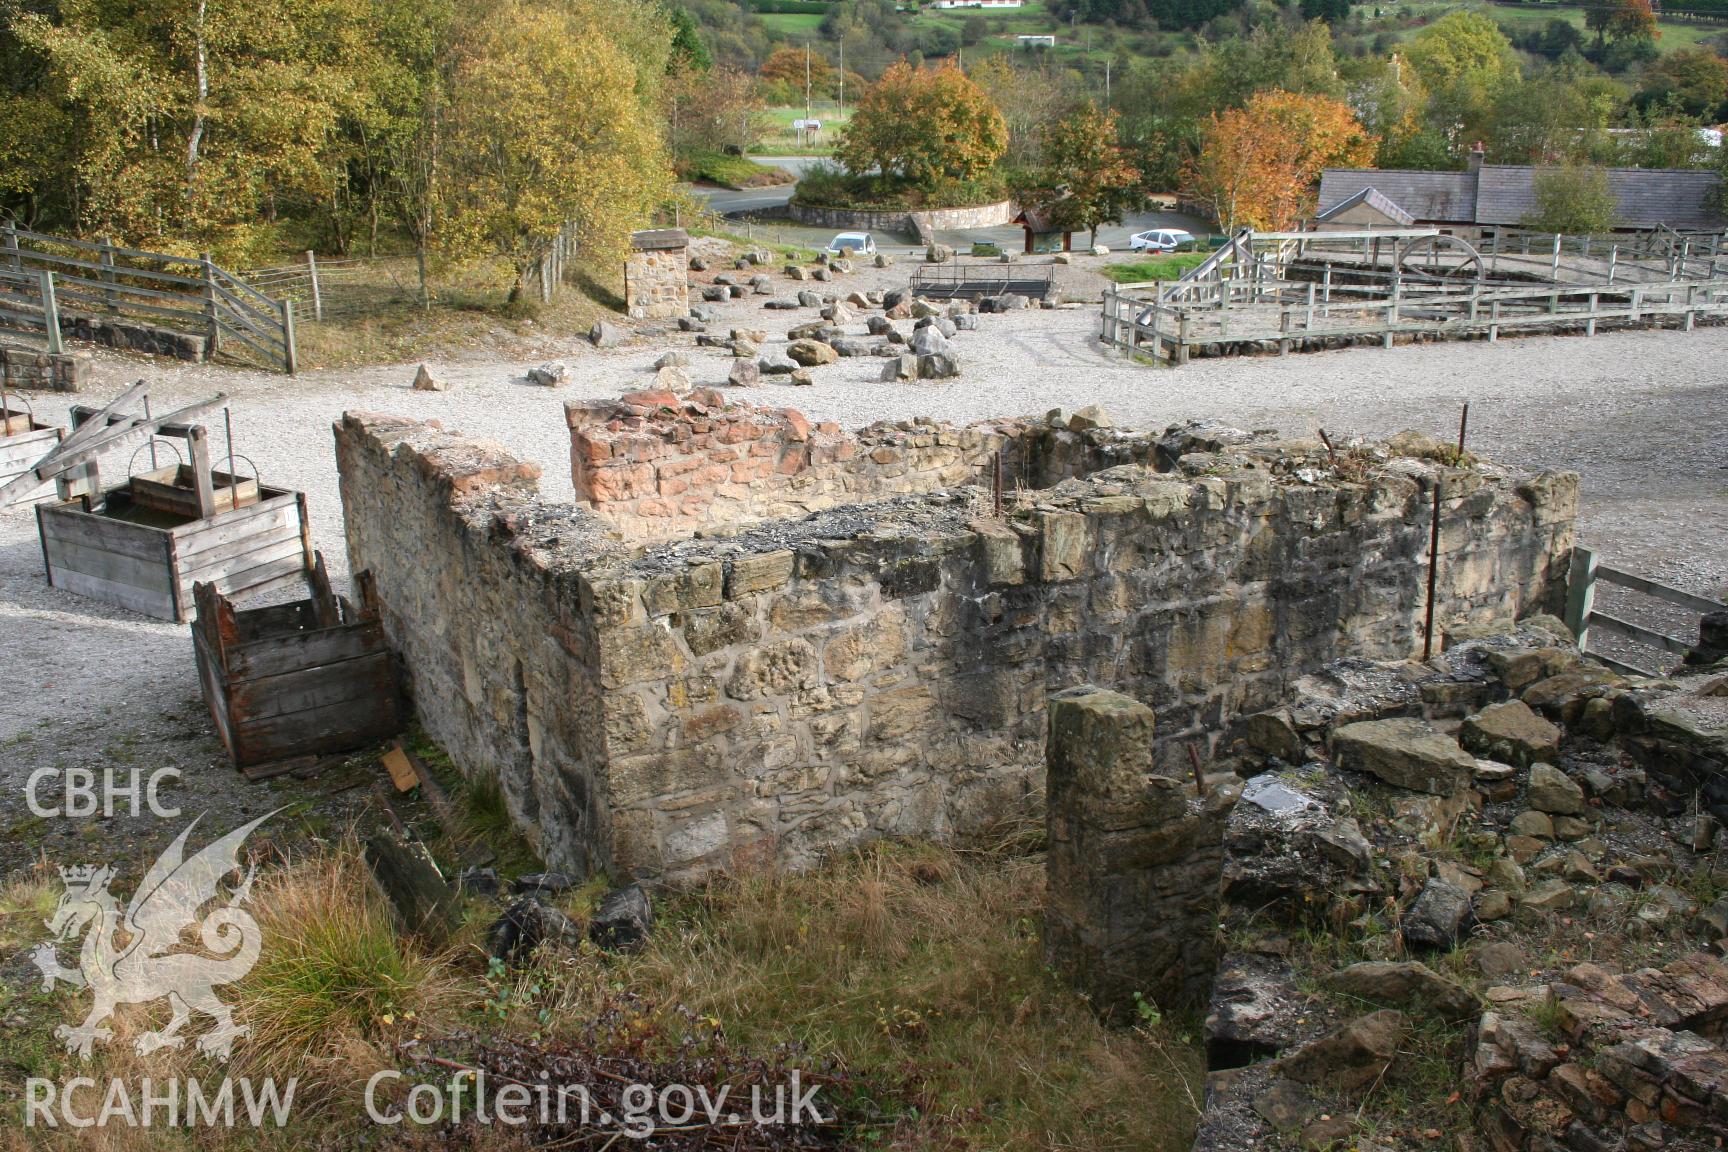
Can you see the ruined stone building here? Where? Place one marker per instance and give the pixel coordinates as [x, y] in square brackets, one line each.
[751, 637]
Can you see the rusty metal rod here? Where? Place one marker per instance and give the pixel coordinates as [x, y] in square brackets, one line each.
[996, 483]
[233, 483]
[1434, 539]
[152, 435]
[1199, 776]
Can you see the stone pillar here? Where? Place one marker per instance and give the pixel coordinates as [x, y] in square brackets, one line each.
[1134, 859]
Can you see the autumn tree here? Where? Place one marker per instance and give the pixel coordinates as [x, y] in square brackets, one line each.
[1258, 166]
[785, 71]
[1621, 20]
[717, 110]
[924, 127]
[1030, 100]
[1086, 178]
[1692, 81]
[1464, 61]
[552, 117]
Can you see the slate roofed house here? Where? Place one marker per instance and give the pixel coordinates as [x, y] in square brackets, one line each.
[1504, 195]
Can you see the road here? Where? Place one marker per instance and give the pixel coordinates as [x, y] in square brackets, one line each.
[728, 202]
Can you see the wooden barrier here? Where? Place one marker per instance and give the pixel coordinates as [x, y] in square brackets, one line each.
[1583, 618]
[49, 283]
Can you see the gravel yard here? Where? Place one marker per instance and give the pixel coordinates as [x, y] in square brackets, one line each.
[1639, 414]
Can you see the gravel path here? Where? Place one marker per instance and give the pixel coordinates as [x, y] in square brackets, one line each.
[1639, 414]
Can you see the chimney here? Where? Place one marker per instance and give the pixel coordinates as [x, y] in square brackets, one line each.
[1476, 153]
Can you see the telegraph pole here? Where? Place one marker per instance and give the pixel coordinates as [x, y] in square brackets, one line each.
[1106, 83]
[841, 115]
[806, 79]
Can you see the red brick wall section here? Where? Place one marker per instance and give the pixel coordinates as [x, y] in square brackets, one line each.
[680, 460]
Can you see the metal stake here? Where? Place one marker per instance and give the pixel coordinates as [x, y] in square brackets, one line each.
[1434, 541]
[233, 482]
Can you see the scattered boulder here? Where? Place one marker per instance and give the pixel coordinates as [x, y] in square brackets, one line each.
[424, 381]
[857, 300]
[761, 285]
[900, 368]
[1100, 250]
[809, 300]
[883, 260]
[1712, 640]
[745, 373]
[1510, 731]
[824, 274]
[713, 293]
[697, 264]
[525, 925]
[878, 325]
[1537, 825]
[922, 309]
[968, 322]
[777, 364]
[838, 314]
[604, 335]
[796, 272]
[1438, 918]
[477, 882]
[1554, 792]
[801, 376]
[1500, 959]
[938, 254]
[624, 919]
[544, 882]
[703, 314]
[691, 324]
[809, 353]
[673, 359]
[895, 297]
[931, 342]
[780, 305]
[852, 346]
[938, 366]
[1405, 984]
[1062, 258]
[1353, 1057]
[1089, 417]
[1405, 752]
[550, 374]
[672, 380]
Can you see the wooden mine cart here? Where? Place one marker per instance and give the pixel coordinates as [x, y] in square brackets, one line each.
[292, 683]
[144, 544]
[23, 441]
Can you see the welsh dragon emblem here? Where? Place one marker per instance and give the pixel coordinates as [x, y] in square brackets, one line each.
[151, 962]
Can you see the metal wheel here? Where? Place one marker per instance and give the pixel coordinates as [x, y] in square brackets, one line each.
[1440, 260]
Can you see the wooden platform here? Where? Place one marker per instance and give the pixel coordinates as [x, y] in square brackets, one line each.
[291, 683]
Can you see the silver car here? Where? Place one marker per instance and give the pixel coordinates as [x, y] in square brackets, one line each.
[860, 244]
[1159, 240]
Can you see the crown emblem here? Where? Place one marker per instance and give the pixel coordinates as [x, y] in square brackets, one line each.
[78, 874]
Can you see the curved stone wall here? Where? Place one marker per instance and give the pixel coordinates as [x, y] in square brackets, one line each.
[919, 223]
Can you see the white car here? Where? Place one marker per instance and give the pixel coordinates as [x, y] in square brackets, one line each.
[1159, 240]
[861, 244]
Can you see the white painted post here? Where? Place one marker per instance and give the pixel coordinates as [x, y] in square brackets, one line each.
[211, 317]
[1494, 320]
[1326, 284]
[1613, 260]
[1308, 322]
[1556, 271]
[50, 312]
[1637, 300]
[317, 294]
[1590, 324]
[107, 260]
[290, 361]
[1581, 594]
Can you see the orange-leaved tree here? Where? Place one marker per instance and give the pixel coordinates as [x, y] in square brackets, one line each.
[1258, 165]
[924, 126]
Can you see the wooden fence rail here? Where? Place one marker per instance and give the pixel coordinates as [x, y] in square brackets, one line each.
[74, 281]
[1583, 617]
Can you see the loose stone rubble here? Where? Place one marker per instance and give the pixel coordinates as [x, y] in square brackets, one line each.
[1373, 896]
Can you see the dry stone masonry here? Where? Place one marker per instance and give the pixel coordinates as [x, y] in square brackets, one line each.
[657, 275]
[661, 707]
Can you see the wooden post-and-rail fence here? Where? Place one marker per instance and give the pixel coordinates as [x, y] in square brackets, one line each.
[50, 283]
[1586, 620]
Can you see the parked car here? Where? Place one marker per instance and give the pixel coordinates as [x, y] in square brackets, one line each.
[861, 243]
[1159, 240]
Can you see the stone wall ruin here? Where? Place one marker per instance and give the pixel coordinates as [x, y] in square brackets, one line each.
[662, 707]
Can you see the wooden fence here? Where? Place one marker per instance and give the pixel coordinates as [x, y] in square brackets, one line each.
[1291, 315]
[1584, 618]
[50, 283]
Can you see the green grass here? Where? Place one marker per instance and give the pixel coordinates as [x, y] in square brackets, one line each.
[792, 23]
[1169, 267]
[920, 973]
[1527, 17]
[729, 171]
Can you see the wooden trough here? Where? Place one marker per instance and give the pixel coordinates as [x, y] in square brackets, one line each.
[23, 441]
[292, 683]
[144, 545]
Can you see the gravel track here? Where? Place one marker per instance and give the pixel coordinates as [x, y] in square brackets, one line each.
[1639, 414]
